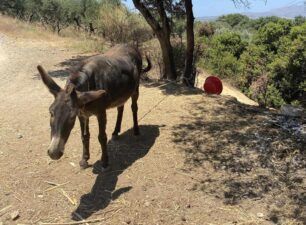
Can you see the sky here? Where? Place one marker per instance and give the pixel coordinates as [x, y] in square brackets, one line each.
[220, 7]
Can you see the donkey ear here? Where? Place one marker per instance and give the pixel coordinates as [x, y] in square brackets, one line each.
[48, 81]
[89, 96]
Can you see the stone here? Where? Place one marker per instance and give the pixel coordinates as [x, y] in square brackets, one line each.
[14, 215]
[292, 111]
[260, 215]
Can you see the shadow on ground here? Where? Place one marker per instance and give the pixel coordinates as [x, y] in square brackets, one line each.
[63, 73]
[240, 156]
[171, 88]
[123, 153]
[69, 63]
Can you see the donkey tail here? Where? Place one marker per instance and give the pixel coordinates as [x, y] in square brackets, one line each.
[149, 66]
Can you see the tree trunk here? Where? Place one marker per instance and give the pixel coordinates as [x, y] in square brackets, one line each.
[189, 74]
[76, 19]
[163, 35]
[168, 59]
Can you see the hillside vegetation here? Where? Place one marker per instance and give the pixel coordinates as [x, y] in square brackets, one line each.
[265, 58]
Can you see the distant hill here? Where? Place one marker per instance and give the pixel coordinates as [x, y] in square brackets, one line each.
[285, 12]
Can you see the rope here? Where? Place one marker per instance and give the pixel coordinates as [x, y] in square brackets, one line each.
[153, 108]
[158, 103]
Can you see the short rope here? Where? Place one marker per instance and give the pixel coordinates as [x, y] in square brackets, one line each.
[153, 108]
[158, 103]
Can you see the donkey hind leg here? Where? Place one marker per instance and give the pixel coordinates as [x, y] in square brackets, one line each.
[103, 140]
[135, 110]
[85, 135]
[118, 123]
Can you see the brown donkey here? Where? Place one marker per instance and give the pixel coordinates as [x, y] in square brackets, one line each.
[97, 84]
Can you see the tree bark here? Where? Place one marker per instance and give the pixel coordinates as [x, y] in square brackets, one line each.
[189, 74]
[168, 59]
[163, 34]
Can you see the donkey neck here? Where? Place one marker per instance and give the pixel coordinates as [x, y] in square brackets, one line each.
[81, 80]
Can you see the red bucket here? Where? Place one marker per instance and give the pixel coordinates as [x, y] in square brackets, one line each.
[213, 85]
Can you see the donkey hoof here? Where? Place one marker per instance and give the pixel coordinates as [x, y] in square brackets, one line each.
[83, 164]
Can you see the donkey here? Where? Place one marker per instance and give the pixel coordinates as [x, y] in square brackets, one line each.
[97, 84]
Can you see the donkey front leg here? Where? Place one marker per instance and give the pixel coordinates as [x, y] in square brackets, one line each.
[103, 139]
[85, 135]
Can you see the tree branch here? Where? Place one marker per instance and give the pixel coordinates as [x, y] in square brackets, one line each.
[147, 15]
[163, 16]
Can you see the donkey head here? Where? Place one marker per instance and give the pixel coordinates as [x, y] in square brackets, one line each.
[63, 111]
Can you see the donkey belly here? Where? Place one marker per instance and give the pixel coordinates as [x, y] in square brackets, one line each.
[119, 90]
[119, 102]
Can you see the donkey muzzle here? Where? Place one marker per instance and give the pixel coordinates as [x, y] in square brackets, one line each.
[56, 148]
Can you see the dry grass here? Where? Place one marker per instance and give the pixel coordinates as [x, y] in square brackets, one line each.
[69, 38]
[16, 28]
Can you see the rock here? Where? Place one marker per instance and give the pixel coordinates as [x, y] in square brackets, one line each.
[14, 215]
[303, 132]
[183, 218]
[293, 111]
[147, 203]
[260, 215]
[19, 136]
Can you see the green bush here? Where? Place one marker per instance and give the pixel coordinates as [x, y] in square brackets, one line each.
[271, 34]
[229, 42]
[254, 61]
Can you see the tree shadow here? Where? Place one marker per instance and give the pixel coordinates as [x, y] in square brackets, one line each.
[251, 158]
[122, 154]
[63, 73]
[68, 63]
[171, 87]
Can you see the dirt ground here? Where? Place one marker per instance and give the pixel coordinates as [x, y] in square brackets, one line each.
[199, 160]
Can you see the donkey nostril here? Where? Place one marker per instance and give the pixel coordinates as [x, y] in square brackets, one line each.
[48, 151]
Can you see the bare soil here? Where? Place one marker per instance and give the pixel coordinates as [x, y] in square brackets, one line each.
[199, 160]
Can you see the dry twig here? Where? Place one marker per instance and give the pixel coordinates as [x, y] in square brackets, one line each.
[83, 221]
[67, 196]
[57, 186]
[4, 209]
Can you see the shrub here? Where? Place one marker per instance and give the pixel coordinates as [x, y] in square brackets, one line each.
[271, 34]
[254, 61]
[234, 19]
[117, 25]
[265, 93]
[205, 29]
[229, 42]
